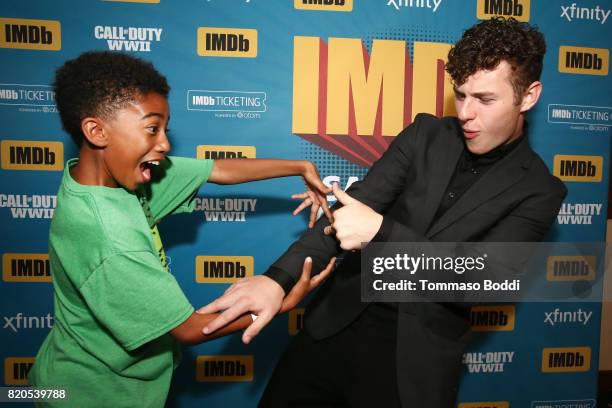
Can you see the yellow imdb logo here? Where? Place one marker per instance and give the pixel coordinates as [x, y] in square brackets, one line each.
[571, 268]
[223, 269]
[566, 359]
[26, 268]
[224, 368]
[227, 42]
[225, 152]
[16, 370]
[26, 34]
[325, 5]
[586, 61]
[587, 169]
[493, 318]
[517, 9]
[30, 155]
[296, 321]
[495, 404]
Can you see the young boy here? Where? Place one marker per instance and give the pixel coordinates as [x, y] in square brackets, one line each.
[119, 314]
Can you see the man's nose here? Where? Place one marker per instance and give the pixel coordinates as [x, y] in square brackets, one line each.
[465, 110]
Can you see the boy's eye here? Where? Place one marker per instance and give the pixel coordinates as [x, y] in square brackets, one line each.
[152, 129]
[486, 101]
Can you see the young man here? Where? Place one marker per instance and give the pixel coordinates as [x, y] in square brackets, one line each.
[465, 179]
[119, 313]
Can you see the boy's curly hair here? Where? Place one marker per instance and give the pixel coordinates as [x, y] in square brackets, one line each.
[489, 42]
[98, 83]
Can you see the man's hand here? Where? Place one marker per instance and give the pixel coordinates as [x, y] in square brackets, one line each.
[354, 223]
[259, 295]
[316, 196]
[306, 284]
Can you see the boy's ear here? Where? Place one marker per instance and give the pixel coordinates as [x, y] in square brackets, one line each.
[94, 132]
[531, 96]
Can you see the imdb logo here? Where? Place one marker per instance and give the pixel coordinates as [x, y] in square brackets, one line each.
[26, 268]
[224, 368]
[572, 359]
[133, 1]
[30, 155]
[324, 5]
[585, 61]
[296, 321]
[518, 9]
[223, 269]
[227, 42]
[588, 169]
[496, 404]
[492, 318]
[571, 268]
[225, 152]
[16, 370]
[44, 35]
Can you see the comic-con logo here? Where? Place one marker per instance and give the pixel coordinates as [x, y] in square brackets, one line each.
[585, 61]
[227, 42]
[45, 35]
[353, 103]
[517, 9]
[224, 368]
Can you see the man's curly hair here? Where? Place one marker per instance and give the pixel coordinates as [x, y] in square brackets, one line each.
[489, 42]
[98, 83]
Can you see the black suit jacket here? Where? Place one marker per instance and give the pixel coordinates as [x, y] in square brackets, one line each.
[514, 201]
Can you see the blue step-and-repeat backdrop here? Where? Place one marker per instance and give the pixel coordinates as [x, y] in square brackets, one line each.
[275, 78]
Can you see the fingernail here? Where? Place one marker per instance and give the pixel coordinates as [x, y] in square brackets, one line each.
[206, 330]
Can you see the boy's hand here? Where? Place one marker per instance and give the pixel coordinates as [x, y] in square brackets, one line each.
[306, 284]
[316, 196]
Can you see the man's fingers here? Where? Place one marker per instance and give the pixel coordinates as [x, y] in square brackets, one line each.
[226, 317]
[255, 327]
[343, 197]
[304, 204]
[313, 214]
[329, 230]
[215, 306]
[326, 209]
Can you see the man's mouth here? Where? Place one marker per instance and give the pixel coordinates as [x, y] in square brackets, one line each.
[145, 169]
[470, 134]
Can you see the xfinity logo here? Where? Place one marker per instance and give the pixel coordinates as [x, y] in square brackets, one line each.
[19, 321]
[574, 12]
[415, 3]
[576, 316]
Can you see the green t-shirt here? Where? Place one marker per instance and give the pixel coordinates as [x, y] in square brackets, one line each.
[114, 300]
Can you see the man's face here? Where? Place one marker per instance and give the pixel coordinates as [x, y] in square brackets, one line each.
[487, 109]
[136, 140]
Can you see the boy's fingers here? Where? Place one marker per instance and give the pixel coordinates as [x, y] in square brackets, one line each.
[307, 202]
[306, 269]
[324, 273]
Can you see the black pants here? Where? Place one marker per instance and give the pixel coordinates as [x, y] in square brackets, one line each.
[354, 368]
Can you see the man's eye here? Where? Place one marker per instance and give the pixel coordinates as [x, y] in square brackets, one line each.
[152, 129]
[460, 96]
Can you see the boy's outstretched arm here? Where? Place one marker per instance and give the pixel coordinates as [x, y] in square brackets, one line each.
[191, 331]
[235, 171]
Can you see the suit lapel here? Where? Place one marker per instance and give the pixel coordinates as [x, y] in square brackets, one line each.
[499, 178]
[442, 173]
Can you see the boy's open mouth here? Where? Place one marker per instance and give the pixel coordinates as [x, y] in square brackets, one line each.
[145, 169]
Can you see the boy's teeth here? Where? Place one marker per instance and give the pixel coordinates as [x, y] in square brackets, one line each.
[154, 162]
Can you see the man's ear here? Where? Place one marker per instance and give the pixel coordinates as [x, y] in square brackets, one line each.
[531, 96]
[94, 132]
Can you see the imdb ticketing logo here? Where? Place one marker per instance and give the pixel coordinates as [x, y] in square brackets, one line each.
[225, 152]
[30, 34]
[324, 5]
[224, 368]
[587, 169]
[26, 268]
[492, 318]
[518, 9]
[223, 269]
[566, 359]
[570, 268]
[16, 370]
[586, 61]
[296, 321]
[495, 404]
[227, 42]
[30, 155]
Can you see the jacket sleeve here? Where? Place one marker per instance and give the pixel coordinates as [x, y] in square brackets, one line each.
[378, 190]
